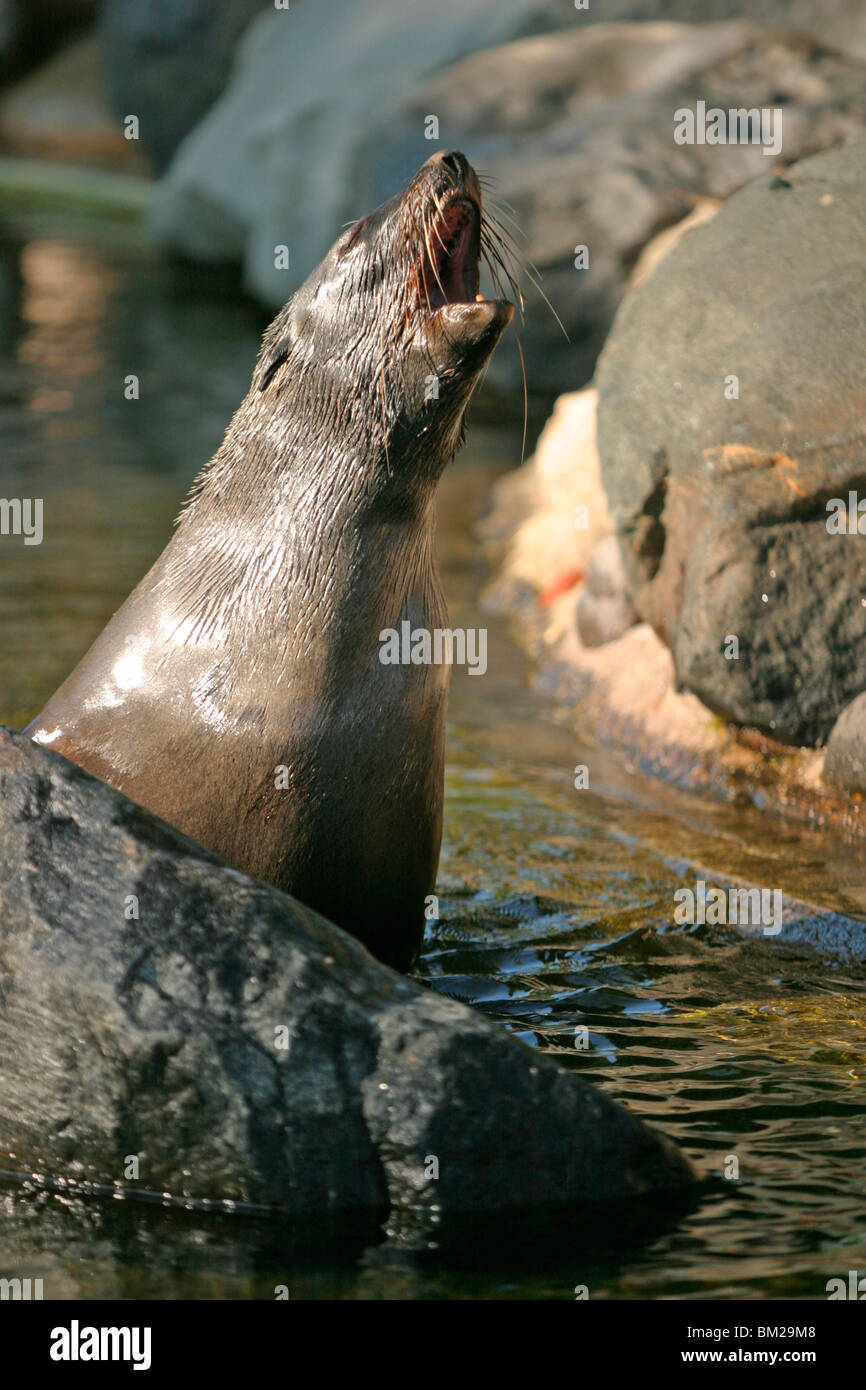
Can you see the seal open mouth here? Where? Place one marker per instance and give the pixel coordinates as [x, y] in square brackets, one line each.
[450, 270]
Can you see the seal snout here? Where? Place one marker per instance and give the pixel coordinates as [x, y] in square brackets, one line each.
[482, 322]
[459, 170]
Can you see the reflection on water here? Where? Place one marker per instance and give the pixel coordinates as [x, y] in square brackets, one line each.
[79, 316]
[556, 904]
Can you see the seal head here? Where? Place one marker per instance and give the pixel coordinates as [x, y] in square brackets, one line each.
[395, 305]
[239, 692]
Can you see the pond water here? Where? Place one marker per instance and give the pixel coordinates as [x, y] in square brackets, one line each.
[556, 904]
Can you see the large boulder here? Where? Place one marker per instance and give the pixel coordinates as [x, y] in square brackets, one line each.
[158, 1006]
[845, 761]
[169, 62]
[731, 431]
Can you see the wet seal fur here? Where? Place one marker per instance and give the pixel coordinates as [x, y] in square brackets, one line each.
[253, 642]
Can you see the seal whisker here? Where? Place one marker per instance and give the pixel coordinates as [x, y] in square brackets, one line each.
[498, 236]
[437, 221]
[502, 238]
[508, 237]
[525, 394]
[495, 261]
[491, 260]
[420, 237]
[499, 215]
[516, 253]
[383, 396]
[431, 259]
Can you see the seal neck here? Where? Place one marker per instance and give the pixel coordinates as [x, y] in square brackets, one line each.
[301, 550]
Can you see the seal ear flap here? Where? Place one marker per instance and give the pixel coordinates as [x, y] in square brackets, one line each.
[273, 360]
[280, 339]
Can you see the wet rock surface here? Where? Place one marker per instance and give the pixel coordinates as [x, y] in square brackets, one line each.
[845, 761]
[604, 610]
[719, 466]
[157, 1005]
[625, 690]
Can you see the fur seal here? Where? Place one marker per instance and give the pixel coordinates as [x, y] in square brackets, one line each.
[253, 643]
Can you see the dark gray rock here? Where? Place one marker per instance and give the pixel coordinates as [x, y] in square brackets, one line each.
[604, 610]
[838, 23]
[10, 35]
[31, 29]
[170, 60]
[721, 505]
[155, 1036]
[832, 933]
[167, 61]
[845, 760]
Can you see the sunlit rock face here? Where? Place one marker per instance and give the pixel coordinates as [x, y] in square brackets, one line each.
[730, 426]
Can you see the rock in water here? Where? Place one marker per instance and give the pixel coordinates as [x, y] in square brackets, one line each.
[731, 432]
[845, 763]
[156, 1004]
[604, 612]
